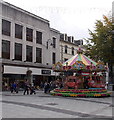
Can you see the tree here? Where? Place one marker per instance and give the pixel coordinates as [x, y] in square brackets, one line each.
[100, 45]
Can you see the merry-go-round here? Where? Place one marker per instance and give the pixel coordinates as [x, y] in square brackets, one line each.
[83, 77]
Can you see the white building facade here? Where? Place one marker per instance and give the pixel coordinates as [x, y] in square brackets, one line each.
[68, 47]
[26, 43]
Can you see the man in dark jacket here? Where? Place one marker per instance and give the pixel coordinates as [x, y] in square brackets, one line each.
[46, 87]
[26, 87]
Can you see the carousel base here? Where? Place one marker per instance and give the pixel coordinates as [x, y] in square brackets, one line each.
[91, 92]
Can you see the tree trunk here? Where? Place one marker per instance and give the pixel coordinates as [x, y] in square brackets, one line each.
[111, 73]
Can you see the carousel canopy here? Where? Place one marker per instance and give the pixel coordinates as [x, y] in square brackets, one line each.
[79, 62]
[80, 57]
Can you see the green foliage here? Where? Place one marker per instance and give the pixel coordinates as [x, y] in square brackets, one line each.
[100, 44]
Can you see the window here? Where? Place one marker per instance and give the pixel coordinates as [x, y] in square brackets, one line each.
[6, 27]
[29, 53]
[72, 39]
[66, 49]
[66, 37]
[54, 42]
[5, 49]
[72, 51]
[38, 37]
[69, 39]
[18, 31]
[39, 55]
[61, 36]
[53, 58]
[29, 34]
[18, 51]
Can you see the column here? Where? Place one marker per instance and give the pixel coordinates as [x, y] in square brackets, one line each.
[12, 41]
[12, 48]
[0, 56]
[0, 28]
[34, 46]
[24, 44]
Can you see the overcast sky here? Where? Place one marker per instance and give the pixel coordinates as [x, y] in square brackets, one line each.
[73, 17]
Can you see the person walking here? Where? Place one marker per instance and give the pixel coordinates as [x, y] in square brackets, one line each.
[32, 90]
[26, 87]
[46, 87]
[14, 87]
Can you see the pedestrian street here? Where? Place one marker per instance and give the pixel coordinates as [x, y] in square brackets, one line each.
[43, 105]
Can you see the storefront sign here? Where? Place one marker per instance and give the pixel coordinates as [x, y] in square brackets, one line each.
[46, 71]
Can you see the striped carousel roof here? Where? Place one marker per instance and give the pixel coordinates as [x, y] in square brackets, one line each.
[80, 57]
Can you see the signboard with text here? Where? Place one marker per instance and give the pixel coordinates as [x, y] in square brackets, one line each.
[46, 72]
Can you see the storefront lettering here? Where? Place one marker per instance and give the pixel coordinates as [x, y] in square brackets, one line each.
[46, 71]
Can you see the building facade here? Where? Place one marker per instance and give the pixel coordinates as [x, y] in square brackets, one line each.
[26, 43]
[68, 47]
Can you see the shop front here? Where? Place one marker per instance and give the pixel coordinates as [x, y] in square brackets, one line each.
[19, 74]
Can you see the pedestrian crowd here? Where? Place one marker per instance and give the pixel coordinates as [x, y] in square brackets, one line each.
[48, 86]
[30, 89]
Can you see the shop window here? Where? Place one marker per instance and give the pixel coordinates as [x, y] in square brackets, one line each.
[38, 37]
[39, 55]
[18, 51]
[6, 27]
[18, 31]
[29, 34]
[29, 53]
[5, 49]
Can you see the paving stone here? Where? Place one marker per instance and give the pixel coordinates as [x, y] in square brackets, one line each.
[44, 105]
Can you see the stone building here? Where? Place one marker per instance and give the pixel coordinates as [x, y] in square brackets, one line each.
[68, 46]
[27, 43]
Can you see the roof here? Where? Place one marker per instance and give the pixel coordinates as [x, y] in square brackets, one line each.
[68, 42]
[80, 57]
[24, 11]
[54, 30]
